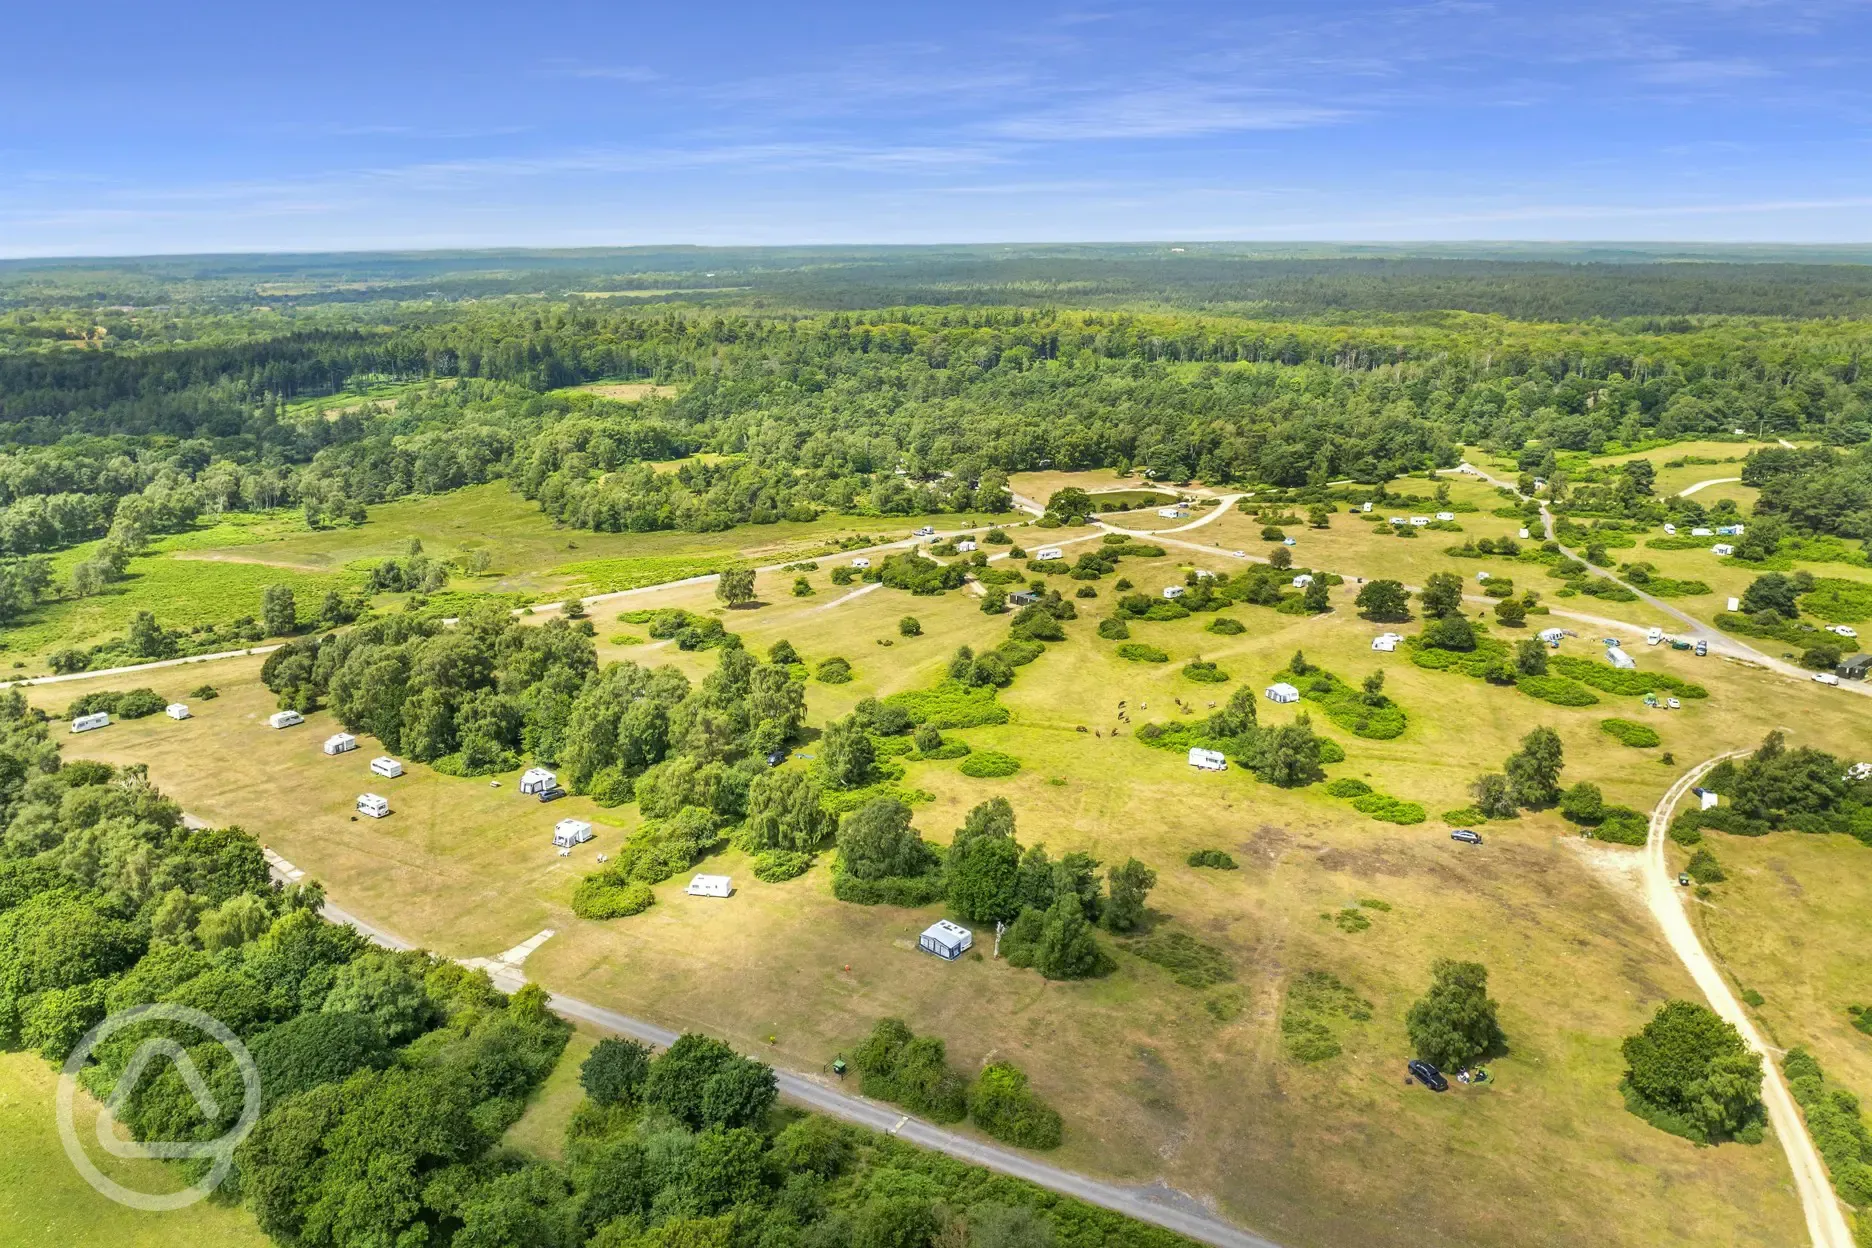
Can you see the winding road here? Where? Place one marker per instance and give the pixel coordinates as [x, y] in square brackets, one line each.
[1826, 1225]
[1156, 1204]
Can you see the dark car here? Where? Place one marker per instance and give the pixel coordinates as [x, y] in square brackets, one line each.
[776, 757]
[551, 795]
[1466, 836]
[1427, 1075]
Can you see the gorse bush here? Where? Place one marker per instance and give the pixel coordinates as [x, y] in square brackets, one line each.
[1217, 859]
[1137, 652]
[1626, 732]
[989, 764]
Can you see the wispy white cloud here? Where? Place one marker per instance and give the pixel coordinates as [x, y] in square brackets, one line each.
[1166, 112]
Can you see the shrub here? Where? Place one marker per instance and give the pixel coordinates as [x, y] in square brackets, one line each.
[1464, 817]
[1609, 679]
[951, 704]
[1558, 690]
[129, 704]
[1704, 869]
[896, 1065]
[989, 764]
[1388, 809]
[205, 693]
[777, 865]
[1113, 629]
[1313, 999]
[603, 896]
[834, 671]
[1626, 732]
[1622, 826]
[1347, 786]
[889, 890]
[1005, 1107]
[1194, 964]
[1137, 652]
[1205, 672]
[1215, 858]
[1225, 626]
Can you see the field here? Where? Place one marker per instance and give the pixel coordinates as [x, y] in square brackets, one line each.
[44, 1201]
[218, 571]
[1157, 1080]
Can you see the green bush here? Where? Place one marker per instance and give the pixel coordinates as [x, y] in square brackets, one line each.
[1004, 1106]
[1559, 690]
[989, 764]
[1626, 732]
[1216, 858]
[1205, 672]
[905, 1069]
[776, 865]
[1225, 626]
[1194, 964]
[128, 704]
[1609, 679]
[1346, 786]
[1315, 999]
[951, 704]
[889, 890]
[602, 896]
[1113, 629]
[1467, 816]
[834, 671]
[1137, 652]
[1621, 826]
[1389, 809]
[205, 693]
[1704, 869]
[1372, 716]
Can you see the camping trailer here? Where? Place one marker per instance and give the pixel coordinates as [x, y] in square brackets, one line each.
[285, 719]
[177, 710]
[1387, 642]
[85, 723]
[1445, 516]
[1048, 552]
[1282, 692]
[1208, 760]
[1722, 549]
[385, 766]
[1173, 591]
[537, 780]
[710, 886]
[964, 546]
[570, 832]
[1616, 656]
[946, 940]
[1303, 580]
[340, 743]
[373, 805]
[861, 563]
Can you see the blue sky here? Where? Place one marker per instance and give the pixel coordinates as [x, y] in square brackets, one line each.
[215, 127]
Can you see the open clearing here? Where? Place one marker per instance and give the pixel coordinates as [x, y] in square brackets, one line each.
[43, 1200]
[1152, 1083]
[627, 391]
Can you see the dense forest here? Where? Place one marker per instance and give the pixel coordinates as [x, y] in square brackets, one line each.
[126, 421]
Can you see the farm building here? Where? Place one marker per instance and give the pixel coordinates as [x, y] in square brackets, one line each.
[570, 832]
[1023, 598]
[1303, 580]
[964, 546]
[710, 886]
[861, 562]
[1858, 667]
[86, 723]
[285, 719]
[1173, 591]
[1208, 760]
[537, 780]
[1706, 797]
[1282, 692]
[373, 805]
[1048, 552]
[1616, 656]
[946, 940]
[386, 767]
[177, 710]
[1387, 642]
[340, 743]
[1722, 548]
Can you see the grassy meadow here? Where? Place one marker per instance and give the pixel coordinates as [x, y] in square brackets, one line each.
[43, 1200]
[1157, 1080]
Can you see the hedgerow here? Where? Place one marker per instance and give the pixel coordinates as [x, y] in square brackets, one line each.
[951, 704]
[1559, 690]
[1138, 652]
[989, 764]
[1609, 679]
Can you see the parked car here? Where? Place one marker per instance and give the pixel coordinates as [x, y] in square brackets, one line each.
[927, 530]
[1842, 630]
[551, 795]
[1466, 836]
[1683, 879]
[1702, 649]
[1423, 1072]
[1673, 704]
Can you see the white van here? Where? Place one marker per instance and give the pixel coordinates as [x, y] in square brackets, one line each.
[374, 806]
[85, 723]
[385, 766]
[1826, 678]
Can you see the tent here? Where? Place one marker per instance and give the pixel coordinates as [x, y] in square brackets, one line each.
[569, 832]
[1283, 692]
[946, 940]
[537, 780]
[340, 743]
[1616, 656]
[1387, 642]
